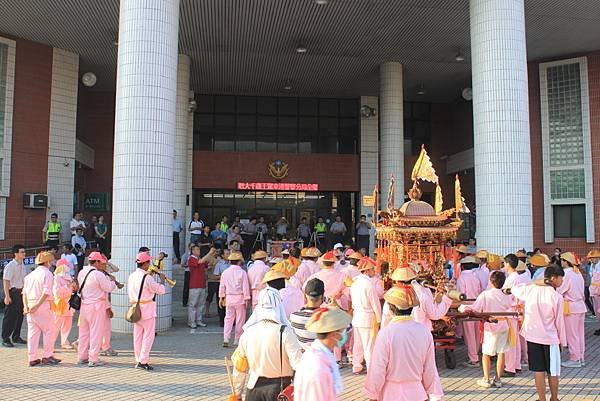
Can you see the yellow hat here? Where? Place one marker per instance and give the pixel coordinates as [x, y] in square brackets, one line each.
[570, 257]
[273, 275]
[540, 260]
[366, 263]
[594, 253]
[405, 272]
[260, 254]
[402, 297]
[494, 262]
[520, 254]
[313, 252]
[286, 267]
[521, 266]
[327, 320]
[462, 249]
[43, 257]
[483, 254]
[235, 256]
[355, 256]
[468, 259]
[303, 252]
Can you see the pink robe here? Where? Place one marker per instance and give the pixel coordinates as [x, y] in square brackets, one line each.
[292, 297]
[306, 269]
[144, 330]
[235, 287]
[350, 271]
[367, 314]
[255, 276]
[313, 380]
[41, 322]
[428, 309]
[595, 290]
[483, 274]
[92, 315]
[492, 300]
[378, 284]
[469, 284]
[512, 360]
[63, 320]
[573, 292]
[403, 365]
[334, 285]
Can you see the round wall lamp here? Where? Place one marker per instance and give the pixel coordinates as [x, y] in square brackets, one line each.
[89, 79]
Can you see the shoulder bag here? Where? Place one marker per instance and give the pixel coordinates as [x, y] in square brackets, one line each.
[285, 394]
[75, 300]
[134, 313]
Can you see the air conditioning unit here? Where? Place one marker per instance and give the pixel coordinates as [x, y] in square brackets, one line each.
[35, 201]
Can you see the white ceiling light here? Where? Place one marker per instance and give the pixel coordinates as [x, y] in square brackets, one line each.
[287, 86]
[88, 79]
[301, 49]
[421, 90]
[321, 2]
[459, 57]
[467, 94]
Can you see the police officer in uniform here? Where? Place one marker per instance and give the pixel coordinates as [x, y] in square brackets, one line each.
[52, 231]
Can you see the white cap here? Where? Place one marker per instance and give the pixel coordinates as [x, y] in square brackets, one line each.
[338, 245]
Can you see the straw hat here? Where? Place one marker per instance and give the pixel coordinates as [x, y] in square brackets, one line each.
[469, 259]
[273, 275]
[313, 252]
[329, 257]
[483, 254]
[366, 263]
[327, 320]
[235, 256]
[520, 254]
[521, 266]
[594, 253]
[260, 254]
[303, 252]
[462, 249]
[405, 272]
[402, 298]
[286, 267]
[355, 256]
[570, 257]
[494, 262]
[43, 257]
[540, 260]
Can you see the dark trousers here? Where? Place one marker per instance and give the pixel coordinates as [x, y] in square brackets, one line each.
[176, 245]
[267, 389]
[305, 241]
[186, 288]
[80, 262]
[221, 312]
[588, 301]
[13, 316]
[362, 241]
[52, 243]
[101, 243]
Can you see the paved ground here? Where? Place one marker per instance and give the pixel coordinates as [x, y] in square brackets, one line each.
[189, 366]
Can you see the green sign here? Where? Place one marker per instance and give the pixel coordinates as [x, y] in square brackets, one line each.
[96, 202]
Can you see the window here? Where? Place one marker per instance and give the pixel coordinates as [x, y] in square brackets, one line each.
[276, 124]
[569, 221]
[7, 74]
[566, 149]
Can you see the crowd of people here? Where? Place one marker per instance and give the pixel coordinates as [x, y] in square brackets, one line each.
[314, 313]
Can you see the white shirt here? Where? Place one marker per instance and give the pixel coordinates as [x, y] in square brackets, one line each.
[76, 223]
[196, 227]
[15, 274]
[72, 259]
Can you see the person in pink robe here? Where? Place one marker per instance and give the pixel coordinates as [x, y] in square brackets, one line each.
[366, 316]
[308, 267]
[318, 377]
[468, 283]
[403, 362]
[291, 295]
[334, 281]
[573, 292]
[62, 290]
[92, 314]
[544, 328]
[145, 329]
[37, 297]
[256, 273]
[594, 257]
[234, 295]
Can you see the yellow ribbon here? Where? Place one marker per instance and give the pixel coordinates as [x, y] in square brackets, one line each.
[401, 319]
[512, 336]
[375, 328]
[566, 310]
[59, 306]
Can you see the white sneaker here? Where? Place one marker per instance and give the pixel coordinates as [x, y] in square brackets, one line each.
[97, 363]
[192, 325]
[484, 383]
[571, 364]
[201, 324]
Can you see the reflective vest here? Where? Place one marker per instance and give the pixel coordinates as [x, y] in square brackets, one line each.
[320, 228]
[53, 231]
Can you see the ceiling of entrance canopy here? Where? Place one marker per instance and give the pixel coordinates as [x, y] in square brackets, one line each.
[250, 46]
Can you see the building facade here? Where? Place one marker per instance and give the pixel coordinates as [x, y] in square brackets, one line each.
[298, 111]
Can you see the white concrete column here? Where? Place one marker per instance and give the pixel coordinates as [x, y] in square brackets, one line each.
[61, 146]
[181, 144]
[189, 155]
[501, 126]
[369, 158]
[145, 130]
[391, 123]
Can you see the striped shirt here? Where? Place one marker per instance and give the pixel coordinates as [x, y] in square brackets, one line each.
[298, 321]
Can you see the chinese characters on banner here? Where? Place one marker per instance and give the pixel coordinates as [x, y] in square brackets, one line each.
[276, 186]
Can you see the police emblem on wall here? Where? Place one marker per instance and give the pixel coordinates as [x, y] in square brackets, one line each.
[278, 169]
